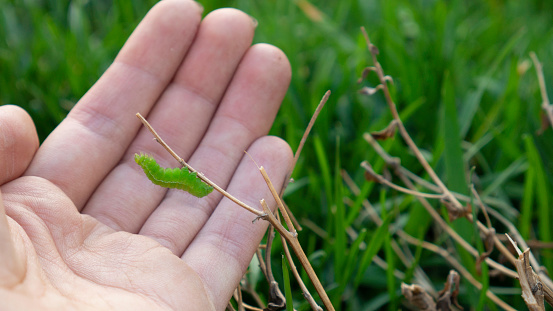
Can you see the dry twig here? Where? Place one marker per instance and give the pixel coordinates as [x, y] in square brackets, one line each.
[418, 297]
[419, 275]
[533, 290]
[403, 131]
[435, 215]
[449, 199]
[266, 214]
[545, 105]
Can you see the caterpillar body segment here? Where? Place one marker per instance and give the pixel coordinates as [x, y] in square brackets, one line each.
[176, 178]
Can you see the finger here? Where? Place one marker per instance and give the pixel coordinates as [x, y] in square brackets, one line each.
[94, 136]
[181, 117]
[246, 113]
[12, 270]
[18, 142]
[222, 250]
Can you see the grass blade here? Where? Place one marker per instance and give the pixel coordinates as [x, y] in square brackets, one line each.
[287, 287]
[373, 247]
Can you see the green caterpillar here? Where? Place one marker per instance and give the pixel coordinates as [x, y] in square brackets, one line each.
[178, 178]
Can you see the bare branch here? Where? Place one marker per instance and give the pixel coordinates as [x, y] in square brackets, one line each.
[403, 131]
[266, 214]
[200, 175]
[545, 105]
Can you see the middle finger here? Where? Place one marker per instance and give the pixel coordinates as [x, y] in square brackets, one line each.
[181, 117]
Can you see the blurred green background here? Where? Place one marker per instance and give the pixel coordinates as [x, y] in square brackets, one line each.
[466, 62]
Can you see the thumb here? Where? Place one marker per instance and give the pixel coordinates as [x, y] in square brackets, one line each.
[18, 142]
[11, 269]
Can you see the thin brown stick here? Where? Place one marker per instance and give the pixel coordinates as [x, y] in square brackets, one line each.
[261, 261]
[277, 299]
[278, 201]
[266, 214]
[200, 175]
[406, 175]
[300, 254]
[438, 250]
[545, 105]
[305, 291]
[403, 131]
[530, 283]
[304, 138]
[238, 298]
[438, 218]
[298, 152]
[248, 287]
[384, 181]
[230, 307]
[250, 307]
[459, 267]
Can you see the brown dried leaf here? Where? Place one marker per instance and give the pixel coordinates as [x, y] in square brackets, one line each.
[370, 174]
[277, 301]
[453, 211]
[365, 73]
[370, 177]
[374, 50]
[489, 246]
[370, 90]
[418, 297]
[544, 123]
[450, 292]
[386, 133]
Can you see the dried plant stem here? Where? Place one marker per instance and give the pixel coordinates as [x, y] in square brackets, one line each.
[307, 295]
[391, 161]
[276, 298]
[230, 307]
[250, 307]
[459, 267]
[297, 155]
[403, 131]
[489, 230]
[266, 214]
[405, 174]
[238, 298]
[200, 175]
[545, 105]
[436, 216]
[292, 239]
[438, 250]
[304, 138]
[419, 274]
[532, 288]
[386, 182]
[546, 279]
[251, 291]
[278, 201]
[298, 250]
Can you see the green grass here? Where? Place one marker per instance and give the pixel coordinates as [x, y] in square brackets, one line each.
[461, 83]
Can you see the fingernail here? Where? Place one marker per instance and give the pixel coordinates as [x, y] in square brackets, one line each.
[254, 21]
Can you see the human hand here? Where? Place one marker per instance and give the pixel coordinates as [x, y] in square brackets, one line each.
[85, 228]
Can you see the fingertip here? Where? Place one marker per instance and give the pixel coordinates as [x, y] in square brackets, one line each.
[232, 15]
[274, 58]
[274, 150]
[18, 142]
[163, 38]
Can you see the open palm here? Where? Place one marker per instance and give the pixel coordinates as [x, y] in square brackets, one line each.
[84, 228]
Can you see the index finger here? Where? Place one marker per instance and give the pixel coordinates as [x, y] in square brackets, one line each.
[92, 139]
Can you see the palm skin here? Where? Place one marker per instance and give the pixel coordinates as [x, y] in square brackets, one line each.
[81, 227]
